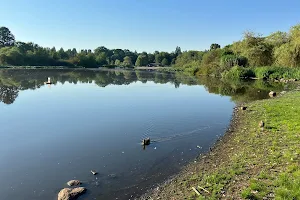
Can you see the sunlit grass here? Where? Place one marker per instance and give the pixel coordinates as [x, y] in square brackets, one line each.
[253, 163]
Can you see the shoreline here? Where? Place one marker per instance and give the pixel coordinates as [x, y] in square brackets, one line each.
[201, 160]
[246, 162]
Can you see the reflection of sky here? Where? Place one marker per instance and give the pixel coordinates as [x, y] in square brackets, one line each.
[68, 105]
[88, 125]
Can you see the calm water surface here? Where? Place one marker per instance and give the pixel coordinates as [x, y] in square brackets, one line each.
[96, 121]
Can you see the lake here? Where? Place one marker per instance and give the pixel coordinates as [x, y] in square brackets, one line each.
[95, 120]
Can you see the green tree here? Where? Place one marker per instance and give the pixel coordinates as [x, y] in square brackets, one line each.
[54, 54]
[101, 59]
[127, 62]
[74, 52]
[277, 39]
[88, 60]
[141, 60]
[288, 54]
[11, 56]
[178, 51]
[257, 50]
[6, 37]
[158, 58]
[101, 49]
[165, 62]
[24, 47]
[188, 56]
[117, 62]
[151, 58]
[62, 54]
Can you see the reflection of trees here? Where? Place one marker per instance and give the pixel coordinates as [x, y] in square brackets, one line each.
[22, 79]
[8, 94]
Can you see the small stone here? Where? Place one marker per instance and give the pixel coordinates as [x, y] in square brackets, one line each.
[272, 94]
[243, 107]
[261, 124]
[70, 193]
[73, 183]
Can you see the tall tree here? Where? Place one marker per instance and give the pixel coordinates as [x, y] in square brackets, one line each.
[74, 52]
[6, 37]
[101, 59]
[62, 54]
[177, 51]
[151, 58]
[165, 62]
[127, 61]
[142, 60]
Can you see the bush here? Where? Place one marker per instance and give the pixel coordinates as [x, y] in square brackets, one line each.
[238, 72]
[276, 72]
[230, 60]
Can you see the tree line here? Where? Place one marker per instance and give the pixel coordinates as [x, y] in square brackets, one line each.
[255, 55]
[270, 56]
[18, 53]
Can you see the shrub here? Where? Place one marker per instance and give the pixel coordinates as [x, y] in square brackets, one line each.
[238, 72]
[276, 72]
[230, 60]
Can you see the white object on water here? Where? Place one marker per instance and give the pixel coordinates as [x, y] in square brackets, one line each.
[93, 172]
[49, 80]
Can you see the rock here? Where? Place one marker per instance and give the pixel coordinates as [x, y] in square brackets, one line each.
[70, 193]
[261, 124]
[73, 183]
[243, 107]
[272, 94]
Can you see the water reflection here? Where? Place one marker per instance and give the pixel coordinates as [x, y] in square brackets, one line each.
[12, 81]
[50, 136]
[8, 94]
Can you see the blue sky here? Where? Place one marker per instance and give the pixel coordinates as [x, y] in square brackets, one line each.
[144, 25]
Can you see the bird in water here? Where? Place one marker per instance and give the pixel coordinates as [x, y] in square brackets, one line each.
[146, 141]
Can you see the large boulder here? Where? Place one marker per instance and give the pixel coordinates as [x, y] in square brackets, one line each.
[74, 183]
[70, 193]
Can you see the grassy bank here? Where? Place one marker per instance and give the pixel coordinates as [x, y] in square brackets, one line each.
[248, 163]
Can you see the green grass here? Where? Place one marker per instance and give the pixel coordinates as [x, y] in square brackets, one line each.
[251, 163]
